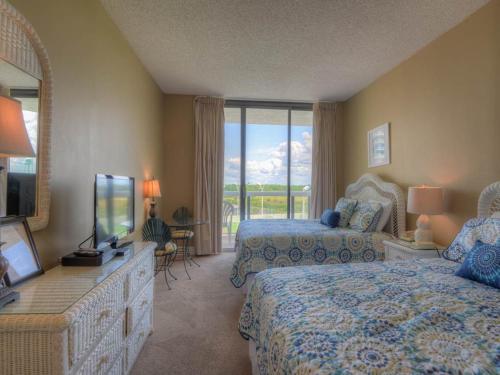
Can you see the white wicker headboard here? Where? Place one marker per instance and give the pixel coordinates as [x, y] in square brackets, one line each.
[372, 187]
[489, 201]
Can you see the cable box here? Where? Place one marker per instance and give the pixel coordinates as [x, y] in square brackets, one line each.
[104, 256]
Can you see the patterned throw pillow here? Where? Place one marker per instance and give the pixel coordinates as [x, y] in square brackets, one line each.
[485, 229]
[366, 216]
[346, 208]
[482, 264]
[330, 218]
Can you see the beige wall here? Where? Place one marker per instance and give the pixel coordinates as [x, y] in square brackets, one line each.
[444, 108]
[107, 115]
[178, 154]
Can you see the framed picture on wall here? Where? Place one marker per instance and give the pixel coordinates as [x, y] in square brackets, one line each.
[19, 249]
[379, 148]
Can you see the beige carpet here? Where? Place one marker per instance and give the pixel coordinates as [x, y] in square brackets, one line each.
[195, 323]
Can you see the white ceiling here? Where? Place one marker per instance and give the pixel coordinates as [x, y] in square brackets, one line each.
[279, 49]
[13, 77]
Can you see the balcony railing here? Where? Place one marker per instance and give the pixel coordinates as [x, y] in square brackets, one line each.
[272, 208]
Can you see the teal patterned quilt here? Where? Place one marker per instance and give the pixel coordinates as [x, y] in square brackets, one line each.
[263, 244]
[404, 317]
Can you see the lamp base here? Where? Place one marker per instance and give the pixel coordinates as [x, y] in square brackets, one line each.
[7, 295]
[423, 234]
[152, 210]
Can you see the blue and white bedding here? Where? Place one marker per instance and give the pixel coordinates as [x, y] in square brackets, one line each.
[403, 317]
[263, 244]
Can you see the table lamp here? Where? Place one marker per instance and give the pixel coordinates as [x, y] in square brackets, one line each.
[14, 141]
[152, 190]
[424, 200]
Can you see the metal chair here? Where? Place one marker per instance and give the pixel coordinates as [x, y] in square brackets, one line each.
[182, 237]
[227, 217]
[183, 234]
[156, 230]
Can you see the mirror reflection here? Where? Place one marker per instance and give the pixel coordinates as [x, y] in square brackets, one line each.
[18, 179]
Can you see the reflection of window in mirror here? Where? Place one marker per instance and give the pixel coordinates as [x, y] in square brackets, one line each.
[29, 101]
[20, 177]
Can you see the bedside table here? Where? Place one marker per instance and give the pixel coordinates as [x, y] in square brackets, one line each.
[398, 250]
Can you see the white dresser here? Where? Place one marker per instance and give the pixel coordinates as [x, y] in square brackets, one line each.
[81, 320]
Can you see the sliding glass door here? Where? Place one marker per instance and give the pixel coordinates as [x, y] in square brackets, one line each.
[300, 161]
[267, 163]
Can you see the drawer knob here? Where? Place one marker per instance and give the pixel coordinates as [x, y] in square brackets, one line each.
[104, 314]
[144, 303]
[142, 272]
[102, 361]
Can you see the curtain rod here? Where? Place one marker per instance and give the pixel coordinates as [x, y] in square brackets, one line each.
[268, 104]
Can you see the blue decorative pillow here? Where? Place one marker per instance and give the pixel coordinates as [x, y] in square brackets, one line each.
[482, 264]
[484, 229]
[330, 218]
[366, 216]
[346, 208]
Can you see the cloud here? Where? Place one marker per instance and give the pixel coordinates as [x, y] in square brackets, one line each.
[272, 169]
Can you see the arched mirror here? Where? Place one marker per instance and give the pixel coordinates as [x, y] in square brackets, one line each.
[25, 114]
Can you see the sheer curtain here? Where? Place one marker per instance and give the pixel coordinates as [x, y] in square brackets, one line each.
[208, 173]
[323, 185]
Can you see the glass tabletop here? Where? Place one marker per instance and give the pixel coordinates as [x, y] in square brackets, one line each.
[186, 223]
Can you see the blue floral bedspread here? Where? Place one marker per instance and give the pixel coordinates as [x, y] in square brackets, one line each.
[263, 244]
[404, 317]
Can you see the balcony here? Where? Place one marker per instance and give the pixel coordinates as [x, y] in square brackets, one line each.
[261, 205]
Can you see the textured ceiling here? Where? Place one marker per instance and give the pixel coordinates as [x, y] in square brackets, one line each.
[279, 49]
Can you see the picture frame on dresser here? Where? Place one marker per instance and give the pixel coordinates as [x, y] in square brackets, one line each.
[19, 248]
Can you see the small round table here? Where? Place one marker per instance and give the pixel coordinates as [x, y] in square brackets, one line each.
[183, 242]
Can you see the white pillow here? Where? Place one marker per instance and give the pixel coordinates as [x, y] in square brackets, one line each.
[386, 214]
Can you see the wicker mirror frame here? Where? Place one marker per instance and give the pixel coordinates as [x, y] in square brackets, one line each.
[21, 46]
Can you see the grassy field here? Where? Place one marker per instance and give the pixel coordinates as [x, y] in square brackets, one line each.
[270, 206]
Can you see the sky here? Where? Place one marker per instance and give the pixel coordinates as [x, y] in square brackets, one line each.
[266, 149]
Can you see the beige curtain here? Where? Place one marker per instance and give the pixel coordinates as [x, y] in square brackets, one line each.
[208, 173]
[323, 189]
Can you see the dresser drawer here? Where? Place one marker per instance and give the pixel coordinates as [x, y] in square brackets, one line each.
[140, 276]
[139, 306]
[138, 338]
[107, 351]
[400, 252]
[101, 308]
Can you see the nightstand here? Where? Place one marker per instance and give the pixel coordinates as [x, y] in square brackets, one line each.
[397, 250]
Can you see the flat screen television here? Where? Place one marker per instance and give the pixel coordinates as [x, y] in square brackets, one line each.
[113, 208]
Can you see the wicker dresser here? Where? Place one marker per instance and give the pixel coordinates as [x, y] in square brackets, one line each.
[81, 320]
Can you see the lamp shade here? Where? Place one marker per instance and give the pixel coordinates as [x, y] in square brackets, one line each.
[14, 140]
[425, 200]
[152, 189]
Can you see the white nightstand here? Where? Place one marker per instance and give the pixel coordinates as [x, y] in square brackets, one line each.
[397, 250]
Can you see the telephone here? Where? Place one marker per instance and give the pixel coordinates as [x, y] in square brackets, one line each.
[408, 236]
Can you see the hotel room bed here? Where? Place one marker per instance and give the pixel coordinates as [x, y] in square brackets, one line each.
[384, 317]
[263, 244]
